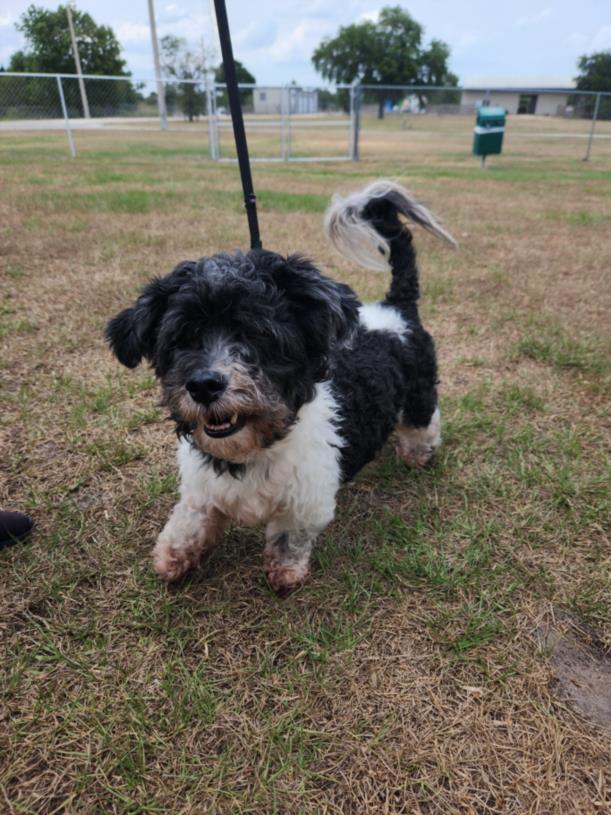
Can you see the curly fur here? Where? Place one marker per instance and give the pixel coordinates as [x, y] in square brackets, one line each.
[313, 381]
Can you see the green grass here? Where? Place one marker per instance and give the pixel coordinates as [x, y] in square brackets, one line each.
[408, 666]
[292, 201]
[549, 342]
[579, 217]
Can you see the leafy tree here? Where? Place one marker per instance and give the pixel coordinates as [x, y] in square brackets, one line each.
[595, 75]
[327, 100]
[243, 75]
[388, 52]
[178, 62]
[49, 50]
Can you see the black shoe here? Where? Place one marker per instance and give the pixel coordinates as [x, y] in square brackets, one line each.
[14, 527]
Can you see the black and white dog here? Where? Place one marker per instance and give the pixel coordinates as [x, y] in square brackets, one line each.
[282, 384]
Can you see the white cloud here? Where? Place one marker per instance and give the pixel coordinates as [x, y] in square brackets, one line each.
[5, 19]
[301, 41]
[6, 52]
[133, 33]
[192, 27]
[602, 39]
[256, 35]
[533, 19]
[466, 41]
[576, 40]
[173, 13]
[369, 16]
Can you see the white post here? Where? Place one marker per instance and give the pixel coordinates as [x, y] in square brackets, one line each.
[211, 111]
[355, 120]
[77, 62]
[66, 119]
[163, 113]
[289, 132]
[284, 92]
[594, 117]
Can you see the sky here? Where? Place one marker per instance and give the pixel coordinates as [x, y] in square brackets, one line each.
[530, 42]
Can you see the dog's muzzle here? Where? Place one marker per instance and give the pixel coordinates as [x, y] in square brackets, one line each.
[205, 387]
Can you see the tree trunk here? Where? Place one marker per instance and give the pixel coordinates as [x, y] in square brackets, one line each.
[381, 108]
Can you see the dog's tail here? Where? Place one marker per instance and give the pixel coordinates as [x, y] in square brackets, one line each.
[366, 228]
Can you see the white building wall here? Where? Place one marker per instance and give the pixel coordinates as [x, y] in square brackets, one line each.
[503, 99]
[271, 100]
[268, 100]
[548, 103]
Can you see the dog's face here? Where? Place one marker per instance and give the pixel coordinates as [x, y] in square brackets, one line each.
[238, 343]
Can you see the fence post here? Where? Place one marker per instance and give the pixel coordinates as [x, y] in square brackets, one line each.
[215, 123]
[284, 92]
[355, 120]
[211, 113]
[66, 119]
[594, 117]
[289, 131]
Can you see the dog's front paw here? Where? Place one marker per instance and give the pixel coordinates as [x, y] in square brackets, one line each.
[172, 562]
[283, 577]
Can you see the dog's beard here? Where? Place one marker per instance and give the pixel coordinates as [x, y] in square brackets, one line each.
[247, 418]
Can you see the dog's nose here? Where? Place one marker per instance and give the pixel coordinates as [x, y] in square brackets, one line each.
[206, 386]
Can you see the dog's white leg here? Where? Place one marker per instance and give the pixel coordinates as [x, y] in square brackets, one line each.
[190, 532]
[286, 556]
[417, 444]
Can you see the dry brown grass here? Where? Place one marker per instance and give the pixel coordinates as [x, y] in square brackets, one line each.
[409, 675]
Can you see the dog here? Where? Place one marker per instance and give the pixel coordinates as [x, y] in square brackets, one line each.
[282, 384]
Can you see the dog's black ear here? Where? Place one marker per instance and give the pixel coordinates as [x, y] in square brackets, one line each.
[132, 334]
[326, 310]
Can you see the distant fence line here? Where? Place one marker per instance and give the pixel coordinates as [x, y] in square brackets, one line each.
[36, 97]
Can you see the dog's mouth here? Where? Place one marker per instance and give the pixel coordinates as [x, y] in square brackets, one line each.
[219, 427]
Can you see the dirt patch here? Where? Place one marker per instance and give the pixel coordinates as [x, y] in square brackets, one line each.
[581, 667]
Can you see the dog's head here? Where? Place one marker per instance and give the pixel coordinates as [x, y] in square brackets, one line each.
[238, 343]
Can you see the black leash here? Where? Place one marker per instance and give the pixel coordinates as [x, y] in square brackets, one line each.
[250, 199]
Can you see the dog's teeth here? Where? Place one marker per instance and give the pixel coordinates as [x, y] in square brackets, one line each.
[233, 419]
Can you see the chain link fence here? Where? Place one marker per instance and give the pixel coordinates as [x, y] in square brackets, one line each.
[540, 122]
[296, 123]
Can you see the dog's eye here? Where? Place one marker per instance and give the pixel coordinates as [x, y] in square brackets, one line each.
[247, 354]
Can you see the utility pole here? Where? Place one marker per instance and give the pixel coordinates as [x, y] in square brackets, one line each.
[163, 114]
[77, 62]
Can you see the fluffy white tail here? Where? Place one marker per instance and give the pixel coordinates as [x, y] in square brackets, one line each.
[352, 233]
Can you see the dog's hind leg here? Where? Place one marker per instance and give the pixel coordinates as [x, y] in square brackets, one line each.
[286, 557]
[191, 531]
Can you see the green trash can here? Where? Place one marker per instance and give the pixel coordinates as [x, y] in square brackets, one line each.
[488, 132]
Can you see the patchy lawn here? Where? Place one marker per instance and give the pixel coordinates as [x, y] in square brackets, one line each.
[423, 669]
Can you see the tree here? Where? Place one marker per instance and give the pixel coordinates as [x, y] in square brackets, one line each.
[595, 75]
[243, 76]
[49, 50]
[179, 62]
[388, 52]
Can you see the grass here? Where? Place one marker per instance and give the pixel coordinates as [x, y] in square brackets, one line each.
[405, 677]
[549, 342]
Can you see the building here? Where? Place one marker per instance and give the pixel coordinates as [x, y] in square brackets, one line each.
[291, 99]
[538, 101]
